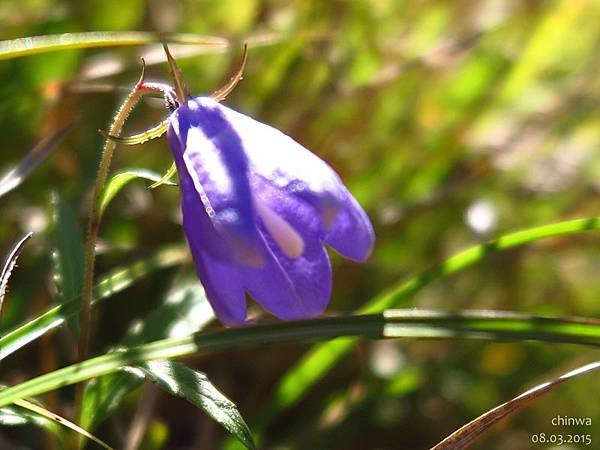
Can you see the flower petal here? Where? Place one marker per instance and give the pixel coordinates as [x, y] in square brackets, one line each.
[308, 288]
[289, 166]
[288, 239]
[257, 209]
[209, 152]
[351, 234]
[289, 288]
[221, 280]
[223, 289]
[308, 275]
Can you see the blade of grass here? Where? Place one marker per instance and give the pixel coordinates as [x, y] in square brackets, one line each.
[67, 41]
[155, 55]
[68, 257]
[15, 176]
[472, 431]
[61, 421]
[475, 254]
[116, 281]
[322, 357]
[489, 325]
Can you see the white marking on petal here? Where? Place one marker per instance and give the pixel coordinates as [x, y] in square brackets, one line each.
[198, 186]
[288, 239]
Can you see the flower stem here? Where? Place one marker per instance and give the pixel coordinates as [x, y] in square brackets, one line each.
[140, 89]
[93, 227]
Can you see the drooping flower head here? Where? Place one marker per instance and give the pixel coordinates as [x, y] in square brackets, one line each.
[258, 209]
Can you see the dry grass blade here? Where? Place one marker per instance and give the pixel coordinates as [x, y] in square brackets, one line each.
[61, 421]
[15, 176]
[9, 265]
[465, 435]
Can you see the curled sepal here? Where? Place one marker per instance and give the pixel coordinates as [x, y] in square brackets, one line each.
[221, 94]
[183, 93]
[153, 133]
[165, 178]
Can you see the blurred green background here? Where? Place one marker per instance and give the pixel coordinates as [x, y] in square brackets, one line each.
[450, 121]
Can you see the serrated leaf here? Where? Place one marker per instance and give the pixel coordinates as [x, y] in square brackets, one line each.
[69, 255]
[9, 265]
[118, 182]
[183, 311]
[178, 379]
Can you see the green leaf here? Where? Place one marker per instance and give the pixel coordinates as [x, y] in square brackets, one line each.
[410, 323]
[118, 182]
[40, 44]
[183, 311]
[116, 281]
[103, 395]
[68, 258]
[178, 379]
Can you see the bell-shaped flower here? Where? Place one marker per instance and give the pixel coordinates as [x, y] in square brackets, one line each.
[257, 210]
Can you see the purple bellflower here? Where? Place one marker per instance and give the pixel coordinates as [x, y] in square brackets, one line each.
[257, 210]
[257, 207]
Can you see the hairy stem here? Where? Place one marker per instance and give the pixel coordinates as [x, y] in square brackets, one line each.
[93, 226]
[140, 89]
